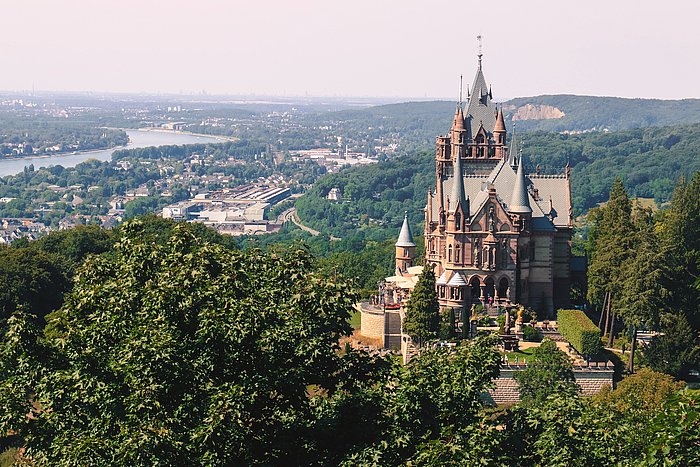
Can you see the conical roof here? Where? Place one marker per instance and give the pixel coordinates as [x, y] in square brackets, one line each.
[405, 237]
[457, 196]
[458, 122]
[520, 202]
[500, 124]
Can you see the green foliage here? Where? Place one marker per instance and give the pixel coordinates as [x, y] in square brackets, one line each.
[675, 351]
[675, 439]
[680, 244]
[610, 244]
[580, 331]
[646, 389]
[187, 352]
[378, 194]
[32, 279]
[431, 404]
[422, 320]
[549, 372]
[531, 334]
[75, 244]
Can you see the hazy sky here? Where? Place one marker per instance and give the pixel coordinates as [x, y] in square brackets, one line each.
[402, 48]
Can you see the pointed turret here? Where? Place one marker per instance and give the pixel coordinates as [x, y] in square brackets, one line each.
[405, 247]
[405, 236]
[458, 122]
[500, 123]
[499, 131]
[457, 196]
[520, 202]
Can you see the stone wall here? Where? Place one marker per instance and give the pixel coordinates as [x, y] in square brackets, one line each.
[372, 322]
[590, 380]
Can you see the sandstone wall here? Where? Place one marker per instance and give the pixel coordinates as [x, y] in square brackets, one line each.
[372, 324]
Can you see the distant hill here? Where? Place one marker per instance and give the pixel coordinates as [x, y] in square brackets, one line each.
[422, 121]
[582, 113]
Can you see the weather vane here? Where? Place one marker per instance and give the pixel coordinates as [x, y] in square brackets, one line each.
[479, 40]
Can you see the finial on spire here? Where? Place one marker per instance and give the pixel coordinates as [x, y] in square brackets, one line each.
[479, 40]
[460, 89]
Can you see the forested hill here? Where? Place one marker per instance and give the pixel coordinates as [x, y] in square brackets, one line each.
[420, 122]
[583, 113]
[650, 160]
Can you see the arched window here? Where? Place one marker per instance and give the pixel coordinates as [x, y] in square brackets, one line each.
[458, 221]
[449, 253]
[458, 253]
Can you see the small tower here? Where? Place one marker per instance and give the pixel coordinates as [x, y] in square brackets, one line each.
[499, 134]
[519, 207]
[405, 247]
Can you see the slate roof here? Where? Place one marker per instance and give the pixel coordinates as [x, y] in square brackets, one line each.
[520, 201]
[503, 177]
[481, 108]
[405, 236]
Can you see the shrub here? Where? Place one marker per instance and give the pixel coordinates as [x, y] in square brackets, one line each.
[531, 334]
[501, 320]
[580, 331]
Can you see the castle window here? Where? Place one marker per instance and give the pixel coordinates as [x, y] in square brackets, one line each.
[458, 221]
[405, 252]
[458, 253]
[449, 253]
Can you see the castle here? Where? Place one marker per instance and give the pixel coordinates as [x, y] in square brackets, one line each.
[494, 234]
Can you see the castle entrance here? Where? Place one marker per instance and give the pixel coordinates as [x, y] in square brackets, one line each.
[475, 288]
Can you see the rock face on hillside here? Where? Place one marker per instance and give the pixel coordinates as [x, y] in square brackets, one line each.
[537, 112]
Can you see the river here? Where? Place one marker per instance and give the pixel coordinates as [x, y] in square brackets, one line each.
[137, 139]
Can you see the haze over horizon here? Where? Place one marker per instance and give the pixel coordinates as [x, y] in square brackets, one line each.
[407, 49]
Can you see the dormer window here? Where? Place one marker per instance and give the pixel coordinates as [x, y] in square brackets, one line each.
[458, 221]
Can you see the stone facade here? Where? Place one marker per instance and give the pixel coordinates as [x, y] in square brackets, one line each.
[494, 234]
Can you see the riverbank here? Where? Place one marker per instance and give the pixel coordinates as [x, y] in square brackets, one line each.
[138, 138]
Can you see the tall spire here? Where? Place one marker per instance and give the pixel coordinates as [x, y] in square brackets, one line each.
[513, 150]
[405, 236]
[457, 196]
[520, 202]
[479, 38]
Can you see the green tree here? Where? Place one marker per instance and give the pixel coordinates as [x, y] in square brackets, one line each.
[641, 295]
[674, 352]
[32, 279]
[186, 352]
[422, 320]
[681, 247]
[548, 372]
[610, 246]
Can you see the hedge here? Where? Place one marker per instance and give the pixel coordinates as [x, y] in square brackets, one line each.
[580, 331]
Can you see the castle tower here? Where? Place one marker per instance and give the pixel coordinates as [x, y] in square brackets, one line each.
[495, 235]
[405, 247]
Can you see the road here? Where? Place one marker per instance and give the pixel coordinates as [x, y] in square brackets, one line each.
[291, 215]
